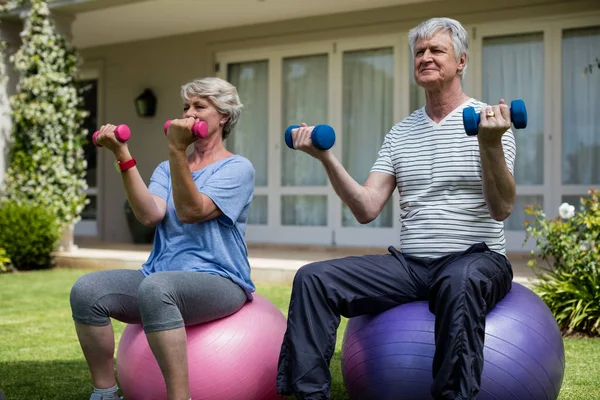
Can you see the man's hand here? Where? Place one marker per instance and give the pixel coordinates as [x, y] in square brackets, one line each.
[301, 138]
[179, 134]
[499, 189]
[494, 122]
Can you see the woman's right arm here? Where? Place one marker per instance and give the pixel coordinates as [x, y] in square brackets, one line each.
[148, 208]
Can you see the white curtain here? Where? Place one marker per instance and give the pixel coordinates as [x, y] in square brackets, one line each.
[251, 136]
[367, 115]
[304, 210]
[513, 68]
[581, 107]
[305, 99]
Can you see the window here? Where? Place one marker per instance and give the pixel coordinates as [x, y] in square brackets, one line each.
[90, 104]
[580, 108]
[513, 68]
[352, 85]
[367, 116]
[251, 136]
[304, 99]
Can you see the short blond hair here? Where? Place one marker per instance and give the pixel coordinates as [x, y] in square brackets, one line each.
[221, 93]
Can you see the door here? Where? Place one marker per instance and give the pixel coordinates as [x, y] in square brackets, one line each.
[543, 63]
[279, 88]
[578, 103]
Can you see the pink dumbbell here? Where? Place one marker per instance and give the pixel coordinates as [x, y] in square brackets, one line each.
[122, 133]
[200, 129]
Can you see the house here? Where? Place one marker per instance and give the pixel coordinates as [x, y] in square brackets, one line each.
[345, 63]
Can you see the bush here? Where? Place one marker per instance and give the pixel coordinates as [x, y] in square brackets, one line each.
[29, 234]
[569, 282]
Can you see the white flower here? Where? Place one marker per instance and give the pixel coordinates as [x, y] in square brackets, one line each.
[585, 245]
[566, 211]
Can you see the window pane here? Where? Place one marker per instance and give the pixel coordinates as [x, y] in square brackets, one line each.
[518, 217]
[90, 104]
[513, 68]
[258, 212]
[90, 211]
[368, 100]
[251, 135]
[573, 200]
[305, 87]
[580, 107]
[304, 210]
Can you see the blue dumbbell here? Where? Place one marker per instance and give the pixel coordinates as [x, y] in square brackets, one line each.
[322, 136]
[518, 116]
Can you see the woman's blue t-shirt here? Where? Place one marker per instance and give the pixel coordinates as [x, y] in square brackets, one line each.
[216, 246]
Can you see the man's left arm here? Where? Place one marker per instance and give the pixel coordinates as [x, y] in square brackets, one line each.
[497, 151]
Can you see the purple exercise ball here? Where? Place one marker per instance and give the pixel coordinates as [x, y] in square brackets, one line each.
[390, 355]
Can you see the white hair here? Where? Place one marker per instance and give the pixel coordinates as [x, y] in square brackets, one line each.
[427, 29]
[221, 93]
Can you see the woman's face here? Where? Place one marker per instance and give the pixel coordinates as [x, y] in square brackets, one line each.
[203, 109]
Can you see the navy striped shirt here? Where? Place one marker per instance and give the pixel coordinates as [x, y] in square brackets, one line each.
[438, 174]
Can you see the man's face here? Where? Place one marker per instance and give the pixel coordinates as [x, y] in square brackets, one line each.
[435, 61]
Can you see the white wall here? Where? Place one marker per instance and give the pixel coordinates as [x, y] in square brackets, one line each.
[125, 71]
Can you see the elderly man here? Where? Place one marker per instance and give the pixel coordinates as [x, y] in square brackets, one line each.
[455, 191]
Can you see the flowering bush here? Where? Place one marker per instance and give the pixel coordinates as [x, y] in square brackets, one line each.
[47, 164]
[569, 282]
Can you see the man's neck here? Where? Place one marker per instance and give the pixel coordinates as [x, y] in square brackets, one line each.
[441, 102]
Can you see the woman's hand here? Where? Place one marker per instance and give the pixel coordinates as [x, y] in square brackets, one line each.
[106, 138]
[179, 133]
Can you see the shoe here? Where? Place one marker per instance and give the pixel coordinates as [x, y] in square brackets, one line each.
[98, 396]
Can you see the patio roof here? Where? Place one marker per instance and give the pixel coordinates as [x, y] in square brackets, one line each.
[102, 22]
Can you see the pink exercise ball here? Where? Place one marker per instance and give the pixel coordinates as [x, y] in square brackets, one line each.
[231, 358]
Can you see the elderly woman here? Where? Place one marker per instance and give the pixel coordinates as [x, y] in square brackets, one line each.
[198, 269]
[455, 191]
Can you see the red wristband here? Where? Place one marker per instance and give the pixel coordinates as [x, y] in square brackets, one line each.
[125, 165]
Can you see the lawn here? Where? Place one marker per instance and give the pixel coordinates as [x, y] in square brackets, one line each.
[40, 358]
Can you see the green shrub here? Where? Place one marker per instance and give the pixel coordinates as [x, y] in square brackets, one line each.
[4, 260]
[569, 282]
[29, 234]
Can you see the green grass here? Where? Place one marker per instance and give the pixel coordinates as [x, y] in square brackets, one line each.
[40, 358]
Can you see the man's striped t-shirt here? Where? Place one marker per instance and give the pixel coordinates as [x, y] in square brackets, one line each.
[438, 174]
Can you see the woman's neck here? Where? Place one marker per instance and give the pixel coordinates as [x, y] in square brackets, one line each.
[207, 152]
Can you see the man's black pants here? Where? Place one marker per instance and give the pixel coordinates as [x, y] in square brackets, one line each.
[461, 288]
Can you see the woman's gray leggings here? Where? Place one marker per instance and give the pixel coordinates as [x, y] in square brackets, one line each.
[160, 301]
